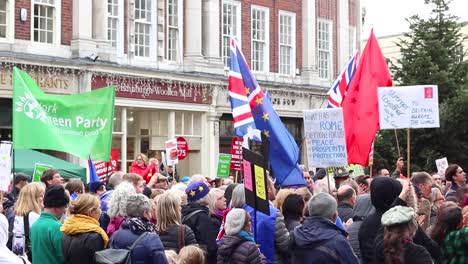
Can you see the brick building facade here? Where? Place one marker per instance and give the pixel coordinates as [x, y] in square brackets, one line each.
[152, 50]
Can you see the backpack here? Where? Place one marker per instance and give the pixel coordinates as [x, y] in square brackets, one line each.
[117, 256]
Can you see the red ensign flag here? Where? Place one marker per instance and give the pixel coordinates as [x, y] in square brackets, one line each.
[360, 106]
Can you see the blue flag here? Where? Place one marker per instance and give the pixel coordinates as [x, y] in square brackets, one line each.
[93, 177]
[283, 150]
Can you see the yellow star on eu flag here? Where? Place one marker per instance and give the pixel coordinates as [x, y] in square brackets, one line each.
[247, 91]
[192, 193]
[266, 133]
[200, 188]
[265, 117]
[258, 100]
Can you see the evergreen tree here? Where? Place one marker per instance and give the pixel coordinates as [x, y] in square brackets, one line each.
[432, 53]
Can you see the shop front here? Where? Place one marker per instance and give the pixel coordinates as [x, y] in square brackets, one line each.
[150, 111]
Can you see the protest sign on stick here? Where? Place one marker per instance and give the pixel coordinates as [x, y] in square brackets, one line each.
[442, 165]
[325, 137]
[408, 107]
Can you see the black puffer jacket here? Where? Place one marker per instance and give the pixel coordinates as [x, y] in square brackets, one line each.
[80, 248]
[202, 227]
[236, 249]
[170, 238]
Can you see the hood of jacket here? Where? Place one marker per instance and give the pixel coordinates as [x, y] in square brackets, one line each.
[384, 190]
[316, 231]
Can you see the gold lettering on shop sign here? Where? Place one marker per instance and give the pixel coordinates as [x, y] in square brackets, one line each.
[43, 81]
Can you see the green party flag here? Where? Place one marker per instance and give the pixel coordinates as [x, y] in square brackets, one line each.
[79, 124]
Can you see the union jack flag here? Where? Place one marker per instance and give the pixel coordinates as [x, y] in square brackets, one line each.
[339, 87]
[242, 115]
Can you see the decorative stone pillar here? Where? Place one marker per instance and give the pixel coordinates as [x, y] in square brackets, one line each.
[309, 71]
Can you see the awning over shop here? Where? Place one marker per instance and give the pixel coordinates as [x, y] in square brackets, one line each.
[25, 160]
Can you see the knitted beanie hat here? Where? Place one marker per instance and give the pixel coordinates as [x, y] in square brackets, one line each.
[235, 221]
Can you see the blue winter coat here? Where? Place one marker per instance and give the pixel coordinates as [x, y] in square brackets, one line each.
[319, 240]
[149, 250]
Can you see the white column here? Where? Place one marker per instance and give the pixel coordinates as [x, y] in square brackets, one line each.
[171, 125]
[211, 34]
[309, 45]
[82, 43]
[210, 143]
[343, 33]
[193, 30]
[359, 25]
[123, 143]
[99, 19]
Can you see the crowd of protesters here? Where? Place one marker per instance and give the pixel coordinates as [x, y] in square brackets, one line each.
[160, 217]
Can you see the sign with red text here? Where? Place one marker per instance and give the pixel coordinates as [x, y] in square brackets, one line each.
[236, 154]
[172, 157]
[104, 168]
[182, 148]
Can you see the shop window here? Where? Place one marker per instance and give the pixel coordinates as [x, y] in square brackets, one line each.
[188, 124]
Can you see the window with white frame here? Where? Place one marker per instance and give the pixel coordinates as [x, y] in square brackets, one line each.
[3, 18]
[287, 43]
[112, 21]
[231, 28]
[324, 49]
[259, 21]
[143, 28]
[172, 29]
[44, 21]
[352, 41]
[187, 123]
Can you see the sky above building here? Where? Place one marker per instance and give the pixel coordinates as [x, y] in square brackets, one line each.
[387, 17]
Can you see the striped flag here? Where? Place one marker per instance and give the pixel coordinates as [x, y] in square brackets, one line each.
[339, 87]
[242, 115]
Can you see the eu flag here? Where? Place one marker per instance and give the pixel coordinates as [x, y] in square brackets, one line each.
[283, 150]
[93, 176]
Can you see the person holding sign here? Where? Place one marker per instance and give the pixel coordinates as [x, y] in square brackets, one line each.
[142, 168]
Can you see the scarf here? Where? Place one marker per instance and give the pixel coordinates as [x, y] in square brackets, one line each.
[79, 223]
[246, 235]
[139, 225]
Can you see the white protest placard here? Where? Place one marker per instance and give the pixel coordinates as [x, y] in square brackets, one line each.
[5, 165]
[409, 107]
[171, 152]
[325, 137]
[442, 165]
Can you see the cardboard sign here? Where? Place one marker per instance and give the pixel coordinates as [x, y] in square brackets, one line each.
[171, 152]
[39, 168]
[236, 154]
[325, 138]
[5, 165]
[442, 165]
[255, 179]
[224, 163]
[182, 148]
[409, 107]
[104, 168]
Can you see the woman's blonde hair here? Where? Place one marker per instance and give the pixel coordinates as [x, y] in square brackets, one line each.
[168, 211]
[171, 256]
[84, 204]
[281, 196]
[143, 157]
[191, 255]
[213, 199]
[28, 199]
